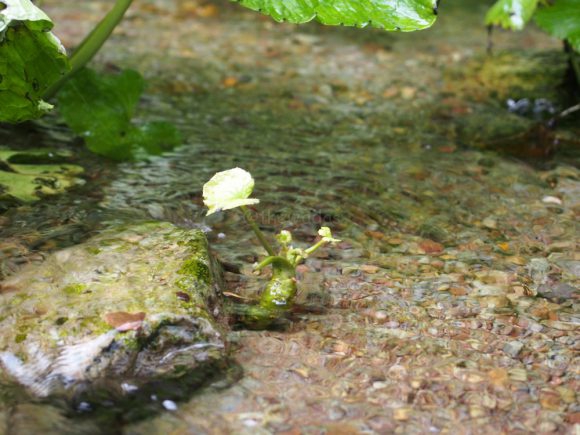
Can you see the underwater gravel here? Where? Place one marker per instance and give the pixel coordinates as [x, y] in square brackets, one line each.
[452, 305]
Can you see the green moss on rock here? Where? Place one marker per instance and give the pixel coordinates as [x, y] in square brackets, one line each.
[154, 268]
[74, 289]
[196, 269]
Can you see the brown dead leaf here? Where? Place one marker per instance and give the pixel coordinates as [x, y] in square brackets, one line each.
[431, 247]
[375, 234]
[123, 321]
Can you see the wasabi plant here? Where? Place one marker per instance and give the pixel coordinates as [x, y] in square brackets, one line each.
[232, 189]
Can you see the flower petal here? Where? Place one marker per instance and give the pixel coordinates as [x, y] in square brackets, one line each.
[327, 235]
[228, 189]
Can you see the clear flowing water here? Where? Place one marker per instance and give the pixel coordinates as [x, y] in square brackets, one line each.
[423, 318]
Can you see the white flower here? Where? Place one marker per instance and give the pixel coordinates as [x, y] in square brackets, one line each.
[228, 189]
[327, 235]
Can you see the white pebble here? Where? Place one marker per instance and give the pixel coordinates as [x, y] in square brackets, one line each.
[250, 423]
[551, 200]
[128, 388]
[170, 405]
[84, 407]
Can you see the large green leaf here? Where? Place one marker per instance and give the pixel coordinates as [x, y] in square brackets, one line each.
[562, 20]
[511, 14]
[403, 15]
[99, 108]
[31, 59]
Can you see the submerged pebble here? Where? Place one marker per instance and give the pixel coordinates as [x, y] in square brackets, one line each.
[169, 405]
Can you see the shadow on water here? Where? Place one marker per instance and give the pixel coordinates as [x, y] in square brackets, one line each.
[106, 410]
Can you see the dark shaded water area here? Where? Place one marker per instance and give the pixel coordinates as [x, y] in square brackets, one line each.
[451, 305]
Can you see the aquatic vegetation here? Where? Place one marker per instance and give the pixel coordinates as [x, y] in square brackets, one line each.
[27, 176]
[99, 108]
[231, 189]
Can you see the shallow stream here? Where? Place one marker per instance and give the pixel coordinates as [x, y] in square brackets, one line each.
[451, 304]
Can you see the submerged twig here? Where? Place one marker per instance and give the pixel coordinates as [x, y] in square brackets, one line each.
[569, 111]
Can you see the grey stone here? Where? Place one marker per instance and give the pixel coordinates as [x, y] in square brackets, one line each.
[560, 292]
[513, 348]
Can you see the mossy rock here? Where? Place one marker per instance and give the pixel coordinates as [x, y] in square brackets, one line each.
[127, 307]
[514, 74]
[487, 126]
[524, 74]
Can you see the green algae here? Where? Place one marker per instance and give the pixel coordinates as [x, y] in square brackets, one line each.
[281, 289]
[74, 289]
[27, 176]
[196, 270]
[94, 251]
[276, 300]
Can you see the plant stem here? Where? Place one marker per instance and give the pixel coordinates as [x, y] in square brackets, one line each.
[259, 234]
[315, 247]
[91, 44]
[265, 262]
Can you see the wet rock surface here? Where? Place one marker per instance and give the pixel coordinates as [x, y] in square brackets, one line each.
[134, 304]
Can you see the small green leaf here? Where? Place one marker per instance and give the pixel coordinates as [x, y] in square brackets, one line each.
[99, 108]
[562, 20]
[31, 59]
[511, 14]
[401, 15]
[228, 189]
[326, 235]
